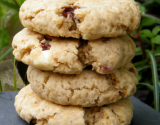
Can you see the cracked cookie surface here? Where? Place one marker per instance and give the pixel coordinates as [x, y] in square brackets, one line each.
[86, 89]
[107, 54]
[70, 56]
[34, 109]
[47, 53]
[38, 111]
[89, 19]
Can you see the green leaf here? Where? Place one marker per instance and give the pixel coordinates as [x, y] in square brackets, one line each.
[155, 19]
[157, 51]
[158, 1]
[142, 8]
[143, 62]
[146, 33]
[148, 2]
[155, 80]
[155, 30]
[14, 25]
[145, 40]
[138, 51]
[143, 67]
[9, 5]
[4, 38]
[147, 85]
[157, 54]
[20, 2]
[147, 22]
[156, 40]
[6, 53]
[139, 77]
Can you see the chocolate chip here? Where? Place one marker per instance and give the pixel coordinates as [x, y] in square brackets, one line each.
[45, 46]
[106, 68]
[69, 11]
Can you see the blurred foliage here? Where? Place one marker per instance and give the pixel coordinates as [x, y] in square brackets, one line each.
[9, 26]
[9, 21]
[147, 39]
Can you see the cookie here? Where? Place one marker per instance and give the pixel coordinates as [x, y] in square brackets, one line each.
[70, 56]
[86, 89]
[43, 52]
[89, 19]
[38, 111]
[34, 109]
[107, 54]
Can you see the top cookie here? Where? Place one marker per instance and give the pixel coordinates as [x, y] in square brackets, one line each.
[89, 19]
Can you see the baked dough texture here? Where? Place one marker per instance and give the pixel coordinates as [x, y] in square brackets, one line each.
[34, 109]
[70, 56]
[107, 54]
[89, 19]
[43, 52]
[86, 89]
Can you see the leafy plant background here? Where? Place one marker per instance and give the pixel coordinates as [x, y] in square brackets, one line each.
[147, 40]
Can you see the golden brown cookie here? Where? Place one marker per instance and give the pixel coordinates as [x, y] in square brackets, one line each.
[70, 56]
[34, 109]
[107, 54]
[86, 89]
[89, 19]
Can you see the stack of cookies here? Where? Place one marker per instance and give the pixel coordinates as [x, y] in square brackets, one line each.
[79, 57]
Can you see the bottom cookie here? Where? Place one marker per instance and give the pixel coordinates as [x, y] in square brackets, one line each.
[36, 110]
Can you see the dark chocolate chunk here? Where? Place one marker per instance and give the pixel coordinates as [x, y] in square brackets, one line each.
[69, 11]
[45, 46]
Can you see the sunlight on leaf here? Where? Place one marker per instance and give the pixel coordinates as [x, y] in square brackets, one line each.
[142, 8]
